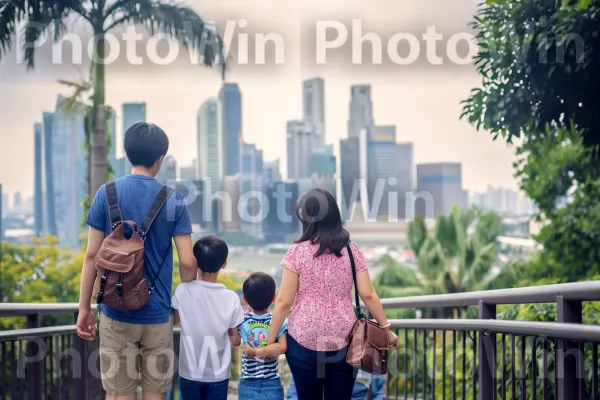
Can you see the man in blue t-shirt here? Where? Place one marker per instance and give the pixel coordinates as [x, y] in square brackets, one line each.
[148, 332]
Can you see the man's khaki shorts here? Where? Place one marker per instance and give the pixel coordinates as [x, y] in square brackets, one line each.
[133, 355]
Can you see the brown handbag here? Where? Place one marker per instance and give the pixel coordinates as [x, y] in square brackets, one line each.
[120, 281]
[369, 343]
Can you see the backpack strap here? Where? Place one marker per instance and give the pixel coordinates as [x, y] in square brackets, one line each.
[159, 201]
[112, 201]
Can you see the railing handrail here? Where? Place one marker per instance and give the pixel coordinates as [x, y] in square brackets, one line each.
[24, 334]
[578, 291]
[25, 309]
[575, 332]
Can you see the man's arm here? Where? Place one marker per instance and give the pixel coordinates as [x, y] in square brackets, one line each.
[187, 262]
[86, 323]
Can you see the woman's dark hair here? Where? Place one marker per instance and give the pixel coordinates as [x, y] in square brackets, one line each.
[321, 222]
[145, 143]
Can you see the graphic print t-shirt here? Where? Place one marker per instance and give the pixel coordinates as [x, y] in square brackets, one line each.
[254, 331]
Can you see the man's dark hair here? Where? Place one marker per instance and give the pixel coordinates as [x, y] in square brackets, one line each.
[145, 143]
[259, 290]
[211, 253]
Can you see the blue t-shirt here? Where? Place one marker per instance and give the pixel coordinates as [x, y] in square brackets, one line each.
[136, 194]
[254, 331]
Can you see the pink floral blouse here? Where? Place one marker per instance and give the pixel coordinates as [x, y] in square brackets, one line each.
[323, 313]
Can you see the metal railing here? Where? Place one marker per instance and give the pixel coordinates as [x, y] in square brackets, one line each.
[489, 359]
[468, 359]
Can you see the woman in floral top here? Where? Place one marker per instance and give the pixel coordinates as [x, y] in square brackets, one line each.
[317, 282]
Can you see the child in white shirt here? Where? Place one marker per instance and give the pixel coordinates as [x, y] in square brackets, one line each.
[210, 315]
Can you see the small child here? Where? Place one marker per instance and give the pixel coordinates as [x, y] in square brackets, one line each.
[210, 316]
[260, 367]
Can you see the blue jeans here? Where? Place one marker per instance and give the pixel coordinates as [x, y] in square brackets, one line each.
[260, 389]
[193, 390]
[377, 387]
[320, 374]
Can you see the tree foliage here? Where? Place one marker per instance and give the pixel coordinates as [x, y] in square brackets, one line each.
[539, 60]
[450, 260]
[39, 273]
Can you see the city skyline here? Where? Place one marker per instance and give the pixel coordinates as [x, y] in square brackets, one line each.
[423, 104]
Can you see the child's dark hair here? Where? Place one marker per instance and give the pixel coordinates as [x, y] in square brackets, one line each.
[259, 290]
[211, 253]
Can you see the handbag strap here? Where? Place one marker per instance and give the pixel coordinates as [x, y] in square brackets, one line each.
[356, 299]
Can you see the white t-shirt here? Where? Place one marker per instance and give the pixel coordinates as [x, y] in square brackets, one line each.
[207, 311]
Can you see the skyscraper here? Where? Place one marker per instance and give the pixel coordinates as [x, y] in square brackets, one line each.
[380, 159]
[187, 173]
[300, 145]
[228, 209]
[350, 173]
[209, 151]
[38, 190]
[272, 171]
[323, 163]
[405, 175]
[17, 206]
[280, 224]
[68, 175]
[132, 114]
[251, 160]
[49, 209]
[112, 151]
[168, 171]
[442, 182]
[230, 103]
[361, 110]
[313, 107]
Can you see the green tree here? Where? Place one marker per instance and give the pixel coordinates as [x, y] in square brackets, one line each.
[538, 61]
[39, 273]
[158, 16]
[450, 260]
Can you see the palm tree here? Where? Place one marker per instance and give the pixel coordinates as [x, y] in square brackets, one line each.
[449, 261]
[157, 16]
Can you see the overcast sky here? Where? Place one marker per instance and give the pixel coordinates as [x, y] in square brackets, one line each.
[423, 101]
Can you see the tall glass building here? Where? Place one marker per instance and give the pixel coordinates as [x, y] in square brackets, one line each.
[230, 103]
[38, 201]
[209, 152]
[68, 176]
[49, 207]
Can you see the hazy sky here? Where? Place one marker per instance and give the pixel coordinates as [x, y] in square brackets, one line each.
[423, 101]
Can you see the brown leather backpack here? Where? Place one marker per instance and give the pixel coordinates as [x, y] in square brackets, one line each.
[120, 281]
[369, 345]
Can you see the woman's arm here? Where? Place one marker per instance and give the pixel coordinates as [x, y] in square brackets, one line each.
[283, 303]
[369, 296]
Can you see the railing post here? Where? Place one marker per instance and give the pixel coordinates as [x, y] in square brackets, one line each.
[487, 355]
[35, 360]
[80, 378]
[570, 358]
